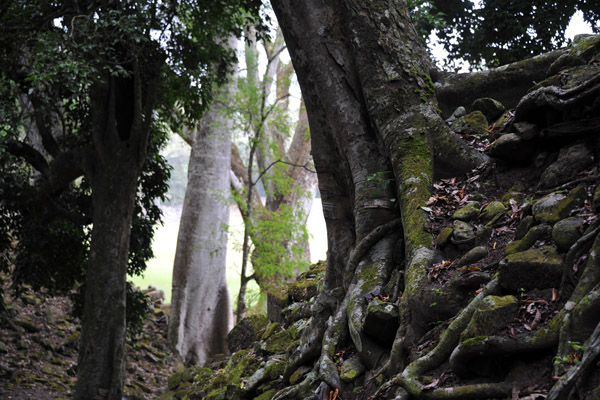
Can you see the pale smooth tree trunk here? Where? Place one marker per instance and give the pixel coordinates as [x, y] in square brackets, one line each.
[201, 313]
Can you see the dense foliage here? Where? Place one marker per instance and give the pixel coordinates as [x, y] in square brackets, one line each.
[54, 53]
[497, 32]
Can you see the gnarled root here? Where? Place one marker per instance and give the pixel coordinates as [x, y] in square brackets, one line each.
[312, 335]
[563, 387]
[301, 390]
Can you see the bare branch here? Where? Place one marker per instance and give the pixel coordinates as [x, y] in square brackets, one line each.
[305, 166]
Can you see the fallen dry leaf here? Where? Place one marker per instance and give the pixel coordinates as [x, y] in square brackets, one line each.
[432, 385]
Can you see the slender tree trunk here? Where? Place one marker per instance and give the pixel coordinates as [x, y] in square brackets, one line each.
[201, 312]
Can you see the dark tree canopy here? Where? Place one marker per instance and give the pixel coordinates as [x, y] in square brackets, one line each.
[54, 52]
[499, 32]
[88, 90]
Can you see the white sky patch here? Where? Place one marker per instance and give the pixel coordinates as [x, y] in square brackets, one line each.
[577, 26]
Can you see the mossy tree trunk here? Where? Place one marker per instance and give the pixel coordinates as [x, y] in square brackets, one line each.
[375, 135]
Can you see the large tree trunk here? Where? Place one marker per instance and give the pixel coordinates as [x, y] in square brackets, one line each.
[120, 137]
[375, 133]
[201, 313]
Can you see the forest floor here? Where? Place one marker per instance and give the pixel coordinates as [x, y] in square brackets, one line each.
[39, 343]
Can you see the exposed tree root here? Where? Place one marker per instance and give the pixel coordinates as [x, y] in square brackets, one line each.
[578, 248]
[593, 178]
[467, 392]
[563, 387]
[556, 98]
[301, 390]
[311, 343]
[365, 245]
[335, 334]
[450, 338]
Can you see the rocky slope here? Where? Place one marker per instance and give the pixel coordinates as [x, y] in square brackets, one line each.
[515, 293]
[38, 349]
[523, 226]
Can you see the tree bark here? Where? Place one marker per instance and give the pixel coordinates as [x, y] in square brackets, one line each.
[201, 312]
[374, 130]
[120, 136]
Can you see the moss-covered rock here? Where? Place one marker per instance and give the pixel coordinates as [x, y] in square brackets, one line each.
[491, 108]
[352, 368]
[516, 196]
[175, 380]
[585, 46]
[473, 123]
[523, 227]
[494, 314]
[246, 332]
[527, 130]
[492, 211]
[444, 236]
[167, 396]
[566, 232]
[302, 290]
[472, 256]
[468, 212]
[554, 207]
[275, 339]
[274, 370]
[462, 233]
[182, 394]
[532, 269]
[299, 374]
[571, 160]
[511, 146]
[534, 234]
[381, 321]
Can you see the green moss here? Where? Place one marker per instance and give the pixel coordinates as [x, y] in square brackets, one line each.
[468, 212]
[474, 341]
[368, 275]
[584, 44]
[175, 380]
[217, 394]
[517, 197]
[277, 342]
[416, 172]
[202, 377]
[444, 236]
[534, 234]
[268, 395]
[302, 290]
[477, 120]
[182, 393]
[427, 88]
[273, 371]
[564, 206]
[271, 330]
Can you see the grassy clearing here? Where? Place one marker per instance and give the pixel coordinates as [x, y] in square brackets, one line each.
[160, 268]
